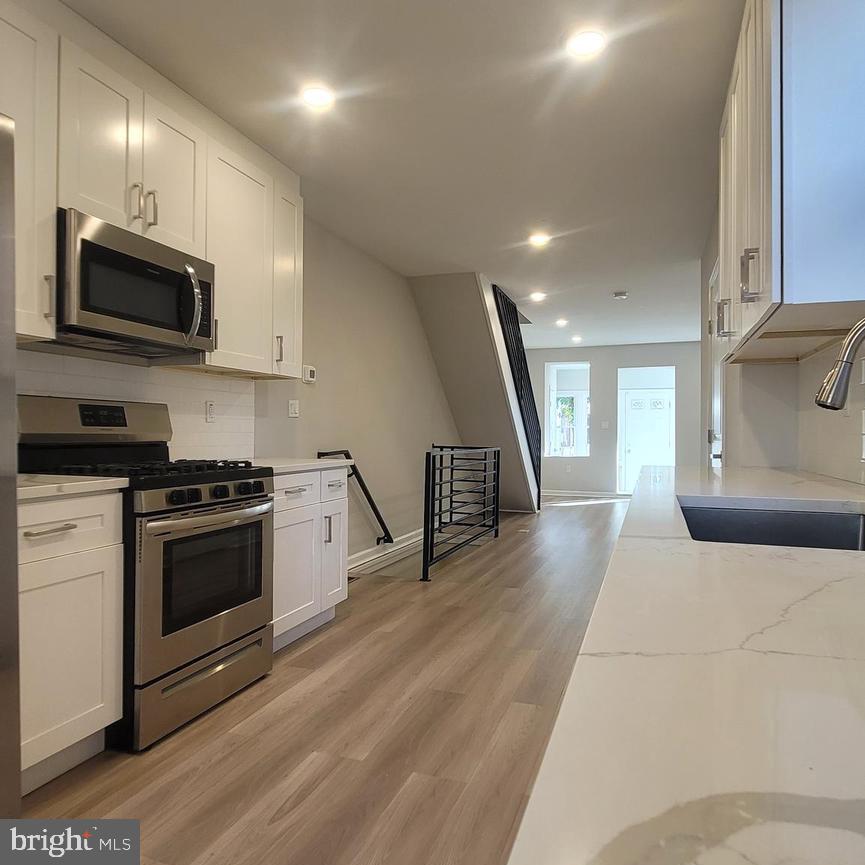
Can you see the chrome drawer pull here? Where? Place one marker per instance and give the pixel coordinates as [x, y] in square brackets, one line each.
[66, 527]
[293, 490]
[328, 523]
[336, 484]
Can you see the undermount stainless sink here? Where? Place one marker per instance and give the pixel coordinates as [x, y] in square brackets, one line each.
[816, 530]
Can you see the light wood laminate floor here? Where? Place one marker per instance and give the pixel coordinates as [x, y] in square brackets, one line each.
[408, 731]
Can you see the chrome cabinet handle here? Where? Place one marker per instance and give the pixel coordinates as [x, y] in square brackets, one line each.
[139, 201]
[328, 525]
[723, 307]
[336, 484]
[51, 282]
[295, 490]
[196, 293]
[153, 196]
[281, 343]
[748, 255]
[66, 527]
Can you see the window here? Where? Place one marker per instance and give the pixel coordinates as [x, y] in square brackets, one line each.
[568, 411]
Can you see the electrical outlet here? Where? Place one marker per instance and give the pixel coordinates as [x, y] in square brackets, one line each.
[294, 408]
[210, 411]
[568, 468]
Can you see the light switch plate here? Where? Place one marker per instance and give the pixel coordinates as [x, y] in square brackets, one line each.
[294, 408]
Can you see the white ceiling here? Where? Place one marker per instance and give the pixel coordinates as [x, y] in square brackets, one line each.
[461, 126]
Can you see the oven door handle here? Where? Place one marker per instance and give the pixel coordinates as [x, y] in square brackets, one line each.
[196, 294]
[229, 518]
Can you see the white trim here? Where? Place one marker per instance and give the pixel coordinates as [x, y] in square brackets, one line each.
[303, 629]
[387, 554]
[598, 494]
[57, 764]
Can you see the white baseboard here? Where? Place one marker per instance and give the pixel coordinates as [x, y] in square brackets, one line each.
[596, 494]
[303, 629]
[52, 767]
[386, 554]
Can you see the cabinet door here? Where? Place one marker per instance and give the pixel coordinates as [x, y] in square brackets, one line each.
[100, 140]
[334, 558]
[240, 245]
[28, 94]
[71, 640]
[174, 174]
[296, 567]
[288, 284]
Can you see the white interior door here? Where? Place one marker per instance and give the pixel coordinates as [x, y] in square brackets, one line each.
[647, 432]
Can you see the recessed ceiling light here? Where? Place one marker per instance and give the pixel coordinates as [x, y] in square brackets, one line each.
[620, 295]
[586, 44]
[317, 96]
[537, 296]
[561, 322]
[539, 239]
[576, 338]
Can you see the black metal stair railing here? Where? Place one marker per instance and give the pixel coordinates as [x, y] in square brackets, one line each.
[461, 500]
[510, 320]
[354, 472]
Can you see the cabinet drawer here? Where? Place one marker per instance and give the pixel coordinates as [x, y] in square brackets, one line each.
[334, 484]
[69, 525]
[296, 490]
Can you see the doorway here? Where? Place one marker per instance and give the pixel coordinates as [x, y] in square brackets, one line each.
[647, 421]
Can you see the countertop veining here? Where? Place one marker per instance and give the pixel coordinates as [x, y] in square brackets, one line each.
[32, 487]
[716, 713]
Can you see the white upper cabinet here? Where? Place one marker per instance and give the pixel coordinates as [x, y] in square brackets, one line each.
[175, 177]
[127, 158]
[100, 140]
[240, 246]
[288, 283]
[28, 94]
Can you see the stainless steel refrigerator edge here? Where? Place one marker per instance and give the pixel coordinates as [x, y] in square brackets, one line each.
[10, 725]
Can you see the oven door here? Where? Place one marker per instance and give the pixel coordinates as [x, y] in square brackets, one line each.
[131, 288]
[202, 579]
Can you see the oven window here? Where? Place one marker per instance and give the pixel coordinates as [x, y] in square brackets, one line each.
[207, 574]
[116, 284]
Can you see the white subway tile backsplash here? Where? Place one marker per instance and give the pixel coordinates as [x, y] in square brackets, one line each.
[232, 435]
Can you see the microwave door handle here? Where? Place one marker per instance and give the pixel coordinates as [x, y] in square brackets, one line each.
[228, 518]
[196, 293]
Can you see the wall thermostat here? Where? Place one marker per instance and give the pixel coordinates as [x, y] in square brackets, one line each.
[309, 374]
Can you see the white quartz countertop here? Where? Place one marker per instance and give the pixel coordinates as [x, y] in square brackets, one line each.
[51, 486]
[716, 713]
[286, 465]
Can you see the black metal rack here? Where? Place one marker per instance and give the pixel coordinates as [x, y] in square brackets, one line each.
[354, 472]
[461, 499]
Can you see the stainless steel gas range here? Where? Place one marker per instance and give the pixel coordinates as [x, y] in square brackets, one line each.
[198, 546]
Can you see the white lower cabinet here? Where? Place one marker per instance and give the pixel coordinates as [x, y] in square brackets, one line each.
[310, 547]
[334, 558]
[297, 590]
[71, 644]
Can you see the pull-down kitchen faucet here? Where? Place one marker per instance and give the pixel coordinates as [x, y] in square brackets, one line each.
[833, 392]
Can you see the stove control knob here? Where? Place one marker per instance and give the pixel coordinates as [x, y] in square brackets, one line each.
[220, 491]
[258, 486]
[177, 497]
[193, 495]
[244, 488]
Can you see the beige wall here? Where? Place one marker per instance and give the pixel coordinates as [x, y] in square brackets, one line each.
[378, 392]
[597, 472]
[707, 266]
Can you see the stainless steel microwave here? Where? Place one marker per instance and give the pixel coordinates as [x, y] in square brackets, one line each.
[120, 292]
